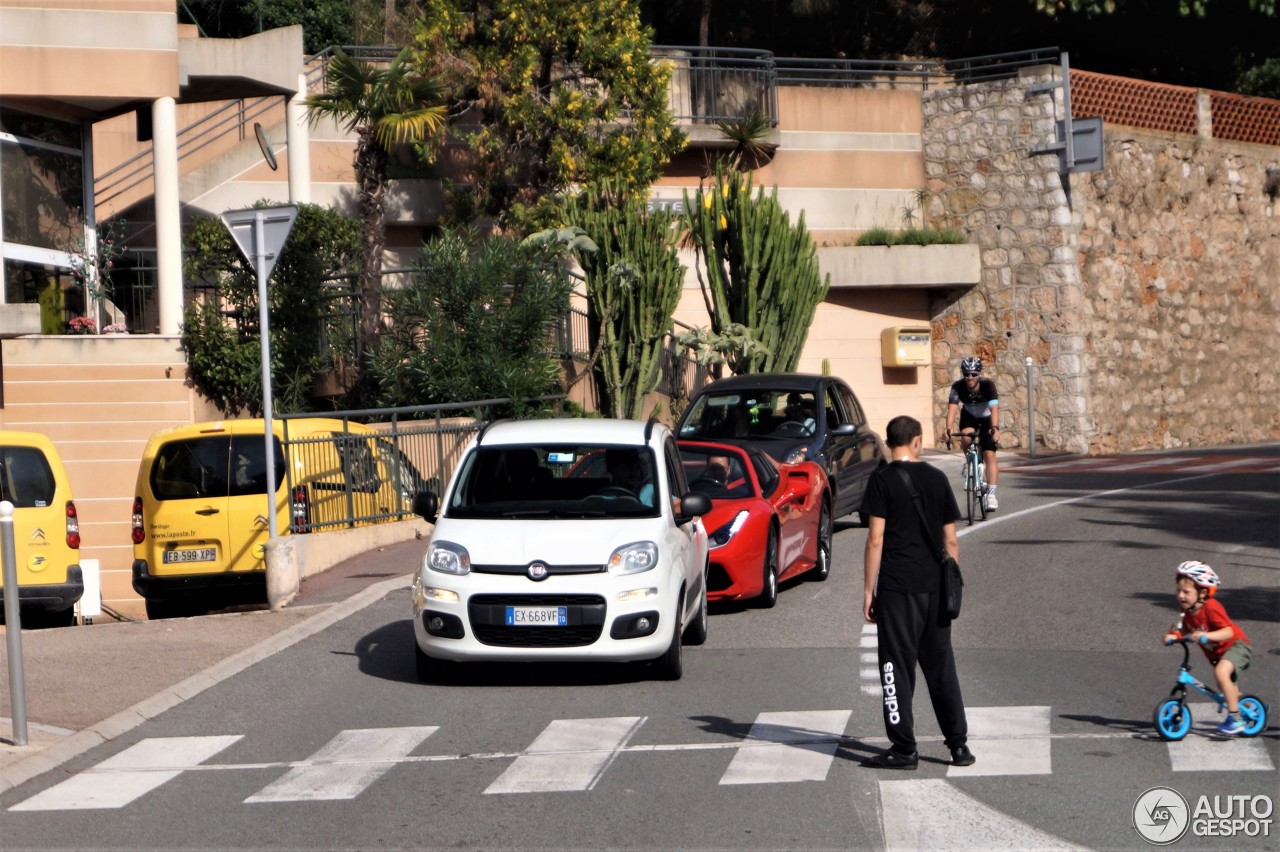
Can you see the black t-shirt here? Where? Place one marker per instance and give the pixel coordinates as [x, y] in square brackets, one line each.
[977, 403]
[907, 563]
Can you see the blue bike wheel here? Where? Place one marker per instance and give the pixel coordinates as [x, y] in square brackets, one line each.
[1253, 712]
[1172, 719]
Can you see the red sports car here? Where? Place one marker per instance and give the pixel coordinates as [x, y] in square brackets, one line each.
[769, 520]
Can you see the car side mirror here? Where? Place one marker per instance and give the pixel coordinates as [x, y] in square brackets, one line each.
[426, 505]
[692, 505]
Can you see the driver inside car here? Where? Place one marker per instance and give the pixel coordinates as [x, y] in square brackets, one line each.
[800, 409]
[628, 470]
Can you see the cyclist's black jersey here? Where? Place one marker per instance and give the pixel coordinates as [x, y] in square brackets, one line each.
[976, 404]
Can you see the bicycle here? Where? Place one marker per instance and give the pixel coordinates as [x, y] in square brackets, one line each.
[1173, 718]
[974, 474]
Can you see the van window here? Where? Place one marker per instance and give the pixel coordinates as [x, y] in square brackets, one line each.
[26, 480]
[214, 466]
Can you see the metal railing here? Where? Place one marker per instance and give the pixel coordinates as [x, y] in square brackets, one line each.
[234, 118]
[373, 479]
[718, 84]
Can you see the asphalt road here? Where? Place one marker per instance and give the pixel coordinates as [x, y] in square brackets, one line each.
[333, 744]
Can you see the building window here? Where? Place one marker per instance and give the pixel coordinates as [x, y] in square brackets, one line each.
[42, 204]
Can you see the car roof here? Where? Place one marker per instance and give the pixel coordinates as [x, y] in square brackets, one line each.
[770, 381]
[561, 430]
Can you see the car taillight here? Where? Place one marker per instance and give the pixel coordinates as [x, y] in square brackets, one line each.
[73, 527]
[300, 510]
[138, 534]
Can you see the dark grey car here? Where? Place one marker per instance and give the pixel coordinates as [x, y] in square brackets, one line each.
[793, 416]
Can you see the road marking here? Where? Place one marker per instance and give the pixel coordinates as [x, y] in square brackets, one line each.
[1227, 465]
[331, 775]
[1204, 751]
[1004, 517]
[1008, 741]
[569, 754]
[932, 814]
[121, 778]
[800, 747]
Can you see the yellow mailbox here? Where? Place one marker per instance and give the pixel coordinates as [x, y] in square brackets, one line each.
[905, 346]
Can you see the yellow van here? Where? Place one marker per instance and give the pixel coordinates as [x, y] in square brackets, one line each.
[200, 512]
[46, 530]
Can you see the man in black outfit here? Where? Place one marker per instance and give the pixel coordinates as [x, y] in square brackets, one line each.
[901, 594]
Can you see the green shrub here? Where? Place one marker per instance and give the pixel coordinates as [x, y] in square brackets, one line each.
[911, 237]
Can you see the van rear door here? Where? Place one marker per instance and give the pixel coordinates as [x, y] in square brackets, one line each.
[187, 529]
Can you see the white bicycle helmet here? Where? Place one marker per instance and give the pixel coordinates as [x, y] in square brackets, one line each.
[1200, 574]
[971, 365]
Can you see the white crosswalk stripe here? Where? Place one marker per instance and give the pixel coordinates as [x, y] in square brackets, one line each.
[345, 766]
[570, 754]
[1008, 741]
[794, 747]
[933, 814]
[574, 754]
[121, 778]
[1204, 751]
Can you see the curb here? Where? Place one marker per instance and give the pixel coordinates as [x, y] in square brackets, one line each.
[126, 720]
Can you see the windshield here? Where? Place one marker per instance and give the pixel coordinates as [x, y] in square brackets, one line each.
[751, 414]
[556, 481]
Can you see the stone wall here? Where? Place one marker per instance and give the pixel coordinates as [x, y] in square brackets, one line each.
[1146, 295]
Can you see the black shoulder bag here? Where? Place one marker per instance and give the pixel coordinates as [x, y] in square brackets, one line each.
[952, 581]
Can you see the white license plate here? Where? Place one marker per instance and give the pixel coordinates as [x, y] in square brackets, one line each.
[537, 616]
[200, 554]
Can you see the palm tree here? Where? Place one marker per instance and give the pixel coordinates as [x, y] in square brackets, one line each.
[383, 106]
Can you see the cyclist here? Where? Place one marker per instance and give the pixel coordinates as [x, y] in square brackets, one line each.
[1223, 642]
[975, 400]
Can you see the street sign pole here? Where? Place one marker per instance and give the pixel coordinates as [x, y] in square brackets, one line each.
[261, 233]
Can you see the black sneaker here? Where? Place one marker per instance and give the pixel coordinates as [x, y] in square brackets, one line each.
[961, 756]
[893, 760]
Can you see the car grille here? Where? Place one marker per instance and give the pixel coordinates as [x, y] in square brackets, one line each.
[487, 614]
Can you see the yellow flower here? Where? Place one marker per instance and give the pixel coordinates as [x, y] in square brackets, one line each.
[706, 201]
[724, 223]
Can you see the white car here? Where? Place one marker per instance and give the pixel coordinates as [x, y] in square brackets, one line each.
[563, 539]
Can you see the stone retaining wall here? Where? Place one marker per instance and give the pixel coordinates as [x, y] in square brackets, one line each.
[1147, 295]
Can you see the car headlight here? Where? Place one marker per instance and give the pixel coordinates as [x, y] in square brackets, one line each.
[720, 537]
[633, 558]
[796, 456]
[447, 558]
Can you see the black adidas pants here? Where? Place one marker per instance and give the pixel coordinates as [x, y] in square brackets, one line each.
[910, 632]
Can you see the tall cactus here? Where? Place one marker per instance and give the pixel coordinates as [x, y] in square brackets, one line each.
[756, 269]
[634, 281]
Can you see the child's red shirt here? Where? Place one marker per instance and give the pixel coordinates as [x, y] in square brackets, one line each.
[1209, 617]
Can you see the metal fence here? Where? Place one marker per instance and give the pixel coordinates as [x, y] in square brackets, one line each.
[355, 479]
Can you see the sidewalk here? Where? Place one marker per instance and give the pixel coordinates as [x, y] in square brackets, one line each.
[86, 685]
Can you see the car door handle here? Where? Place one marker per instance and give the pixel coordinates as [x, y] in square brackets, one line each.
[207, 511]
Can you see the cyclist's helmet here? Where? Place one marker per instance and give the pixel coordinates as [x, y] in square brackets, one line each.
[971, 365]
[1202, 575]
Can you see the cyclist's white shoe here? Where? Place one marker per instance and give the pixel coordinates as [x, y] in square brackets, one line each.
[1231, 726]
[992, 503]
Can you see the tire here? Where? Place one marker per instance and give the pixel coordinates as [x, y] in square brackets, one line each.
[822, 570]
[970, 491]
[671, 664]
[696, 632]
[769, 593]
[1254, 713]
[1172, 719]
